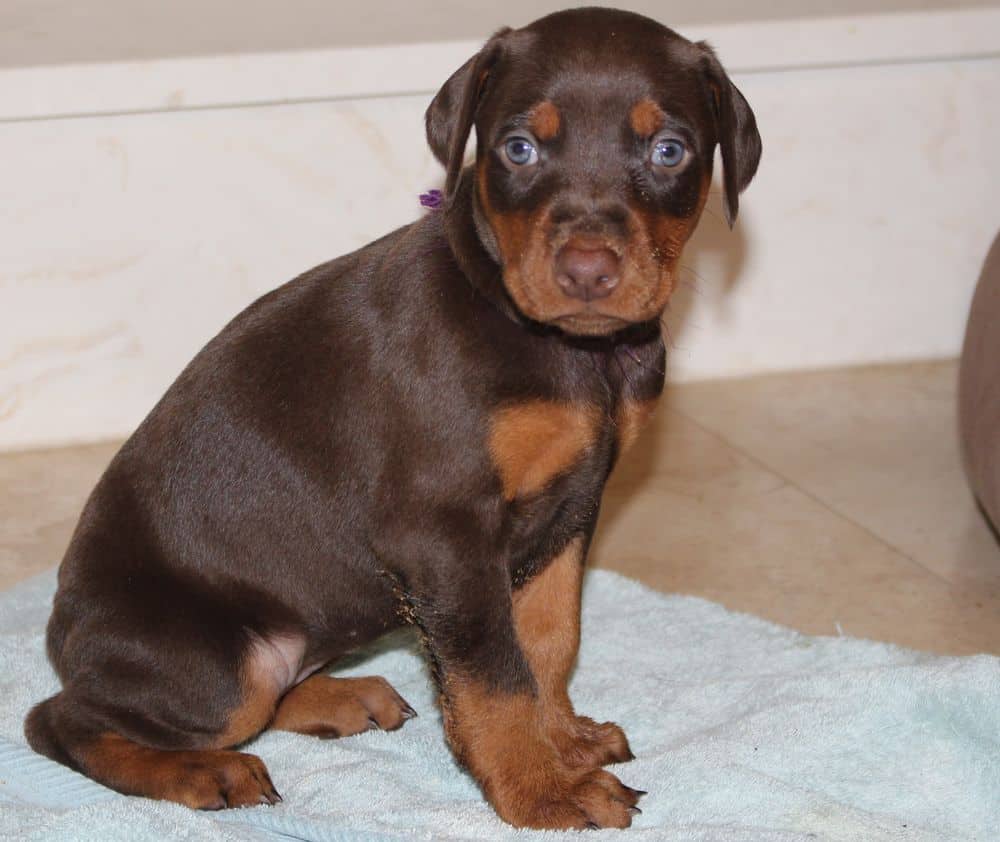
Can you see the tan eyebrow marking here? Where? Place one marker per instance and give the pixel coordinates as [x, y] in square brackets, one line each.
[544, 120]
[646, 118]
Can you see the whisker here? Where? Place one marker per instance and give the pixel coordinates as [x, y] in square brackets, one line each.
[633, 354]
[621, 368]
[691, 285]
[693, 272]
[666, 329]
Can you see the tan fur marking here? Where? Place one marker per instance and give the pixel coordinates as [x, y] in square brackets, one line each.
[544, 120]
[250, 718]
[664, 238]
[261, 691]
[325, 706]
[524, 254]
[531, 443]
[492, 734]
[503, 741]
[478, 722]
[646, 118]
[547, 620]
[199, 779]
[632, 417]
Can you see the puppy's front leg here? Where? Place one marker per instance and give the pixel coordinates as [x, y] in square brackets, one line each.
[498, 716]
[546, 613]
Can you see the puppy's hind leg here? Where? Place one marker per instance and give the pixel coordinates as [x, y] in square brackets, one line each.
[170, 745]
[207, 779]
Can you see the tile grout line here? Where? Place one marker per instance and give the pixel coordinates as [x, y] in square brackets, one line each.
[760, 463]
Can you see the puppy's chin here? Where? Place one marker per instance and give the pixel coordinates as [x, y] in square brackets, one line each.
[589, 324]
[583, 321]
[640, 301]
[586, 320]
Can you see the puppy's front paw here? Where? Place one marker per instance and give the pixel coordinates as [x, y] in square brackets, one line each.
[572, 800]
[598, 743]
[586, 744]
[328, 707]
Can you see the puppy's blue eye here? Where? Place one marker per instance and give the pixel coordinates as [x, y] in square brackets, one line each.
[667, 152]
[520, 151]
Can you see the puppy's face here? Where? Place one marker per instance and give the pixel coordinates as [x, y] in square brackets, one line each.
[596, 132]
[591, 191]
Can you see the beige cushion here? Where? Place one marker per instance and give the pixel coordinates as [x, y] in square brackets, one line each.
[979, 389]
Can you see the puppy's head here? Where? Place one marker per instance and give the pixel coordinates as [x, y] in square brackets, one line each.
[595, 132]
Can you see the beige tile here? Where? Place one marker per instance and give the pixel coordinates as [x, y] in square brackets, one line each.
[878, 445]
[805, 518]
[41, 495]
[688, 513]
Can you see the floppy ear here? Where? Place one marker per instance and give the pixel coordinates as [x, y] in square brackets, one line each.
[452, 112]
[736, 129]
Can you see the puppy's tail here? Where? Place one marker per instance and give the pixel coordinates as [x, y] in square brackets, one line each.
[41, 727]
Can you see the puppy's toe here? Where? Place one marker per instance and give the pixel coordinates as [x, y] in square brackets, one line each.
[327, 707]
[605, 800]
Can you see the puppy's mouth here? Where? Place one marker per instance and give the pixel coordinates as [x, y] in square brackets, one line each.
[588, 285]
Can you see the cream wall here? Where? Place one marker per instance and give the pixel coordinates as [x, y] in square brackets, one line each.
[39, 32]
[180, 189]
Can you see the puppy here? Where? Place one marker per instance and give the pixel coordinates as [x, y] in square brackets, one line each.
[415, 433]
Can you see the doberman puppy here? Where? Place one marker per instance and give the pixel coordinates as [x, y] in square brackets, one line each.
[418, 432]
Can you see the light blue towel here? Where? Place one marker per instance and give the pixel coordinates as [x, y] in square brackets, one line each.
[742, 731]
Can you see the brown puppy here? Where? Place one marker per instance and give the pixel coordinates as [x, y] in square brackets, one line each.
[418, 432]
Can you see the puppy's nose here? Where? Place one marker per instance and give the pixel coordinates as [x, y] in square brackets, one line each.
[587, 274]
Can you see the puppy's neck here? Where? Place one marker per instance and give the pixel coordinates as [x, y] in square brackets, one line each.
[475, 248]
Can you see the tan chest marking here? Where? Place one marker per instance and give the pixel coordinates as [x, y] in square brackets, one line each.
[533, 442]
[632, 417]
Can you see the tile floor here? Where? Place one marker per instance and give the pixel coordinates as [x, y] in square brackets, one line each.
[832, 502]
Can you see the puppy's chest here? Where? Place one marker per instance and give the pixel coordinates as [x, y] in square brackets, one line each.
[537, 442]
[552, 459]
